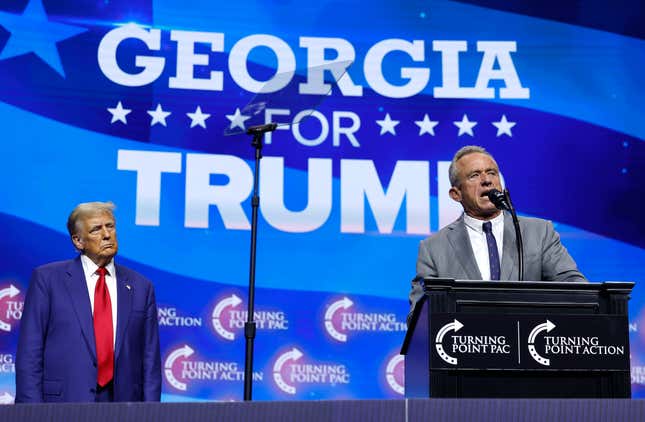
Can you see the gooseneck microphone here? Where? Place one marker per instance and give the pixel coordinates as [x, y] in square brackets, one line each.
[502, 201]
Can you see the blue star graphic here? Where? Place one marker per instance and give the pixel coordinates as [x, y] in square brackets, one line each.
[31, 32]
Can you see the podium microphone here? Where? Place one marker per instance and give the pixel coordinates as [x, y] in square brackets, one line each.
[502, 200]
[498, 199]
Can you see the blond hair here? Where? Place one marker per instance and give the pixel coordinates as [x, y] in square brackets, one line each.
[87, 209]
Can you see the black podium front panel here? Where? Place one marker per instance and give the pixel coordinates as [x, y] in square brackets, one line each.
[512, 339]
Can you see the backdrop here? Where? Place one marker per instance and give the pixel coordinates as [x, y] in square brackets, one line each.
[129, 100]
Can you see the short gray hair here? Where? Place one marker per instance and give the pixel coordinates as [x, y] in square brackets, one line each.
[87, 209]
[463, 151]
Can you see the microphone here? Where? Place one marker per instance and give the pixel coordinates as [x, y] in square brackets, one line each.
[254, 130]
[502, 200]
[498, 199]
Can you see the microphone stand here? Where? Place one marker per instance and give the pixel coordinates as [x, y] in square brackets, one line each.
[249, 326]
[518, 235]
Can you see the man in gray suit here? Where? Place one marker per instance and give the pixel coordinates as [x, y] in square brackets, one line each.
[472, 249]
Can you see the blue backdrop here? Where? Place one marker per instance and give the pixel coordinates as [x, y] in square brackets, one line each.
[129, 101]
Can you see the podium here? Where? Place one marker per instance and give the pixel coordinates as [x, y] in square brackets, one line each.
[509, 339]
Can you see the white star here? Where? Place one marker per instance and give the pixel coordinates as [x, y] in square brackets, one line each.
[158, 115]
[237, 119]
[387, 125]
[465, 126]
[504, 126]
[119, 113]
[426, 125]
[198, 118]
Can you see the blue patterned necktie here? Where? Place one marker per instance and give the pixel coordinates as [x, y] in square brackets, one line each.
[493, 255]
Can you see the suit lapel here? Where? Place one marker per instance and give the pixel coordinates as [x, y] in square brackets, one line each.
[77, 289]
[124, 288]
[460, 242]
[509, 250]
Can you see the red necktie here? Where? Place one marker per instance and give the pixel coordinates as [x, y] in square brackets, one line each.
[103, 330]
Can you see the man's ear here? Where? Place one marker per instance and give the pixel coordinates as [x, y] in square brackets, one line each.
[455, 194]
[78, 243]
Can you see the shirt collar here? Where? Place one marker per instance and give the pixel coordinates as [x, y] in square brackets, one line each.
[476, 224]
[89, 267]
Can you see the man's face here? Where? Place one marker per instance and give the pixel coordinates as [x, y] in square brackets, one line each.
[478, 174]
[96, 237]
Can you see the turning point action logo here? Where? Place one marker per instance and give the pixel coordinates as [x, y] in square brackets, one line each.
[226, 319]
[568, 345]
[179, 369]
[10, 310]
[169, 317]
[289, 371]
[339, 320]
[7, 365]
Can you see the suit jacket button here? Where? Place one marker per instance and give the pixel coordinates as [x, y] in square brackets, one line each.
[93, 390]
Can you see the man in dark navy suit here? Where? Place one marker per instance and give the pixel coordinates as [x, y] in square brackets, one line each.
[89, 328]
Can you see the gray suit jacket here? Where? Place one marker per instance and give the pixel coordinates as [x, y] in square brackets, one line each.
[448, 254]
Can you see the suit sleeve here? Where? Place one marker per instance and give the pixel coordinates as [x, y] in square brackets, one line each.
[151, 358]
[557, 264]
[425, 268]
[31, 342]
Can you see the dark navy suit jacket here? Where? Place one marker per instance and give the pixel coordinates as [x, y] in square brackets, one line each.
[56, 358]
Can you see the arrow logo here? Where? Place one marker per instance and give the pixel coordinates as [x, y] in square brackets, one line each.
[185, 352]
[292, 355]
[11, 291]
[344, 303]
[231, 301]
[546, 326]
[451, 326]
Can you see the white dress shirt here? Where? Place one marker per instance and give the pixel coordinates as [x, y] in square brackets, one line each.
[91, 278]
[478, 241]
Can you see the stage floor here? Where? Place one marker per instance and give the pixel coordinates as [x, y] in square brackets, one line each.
[444, 410]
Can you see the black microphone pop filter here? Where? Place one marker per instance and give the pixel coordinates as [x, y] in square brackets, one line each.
[498, 199]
